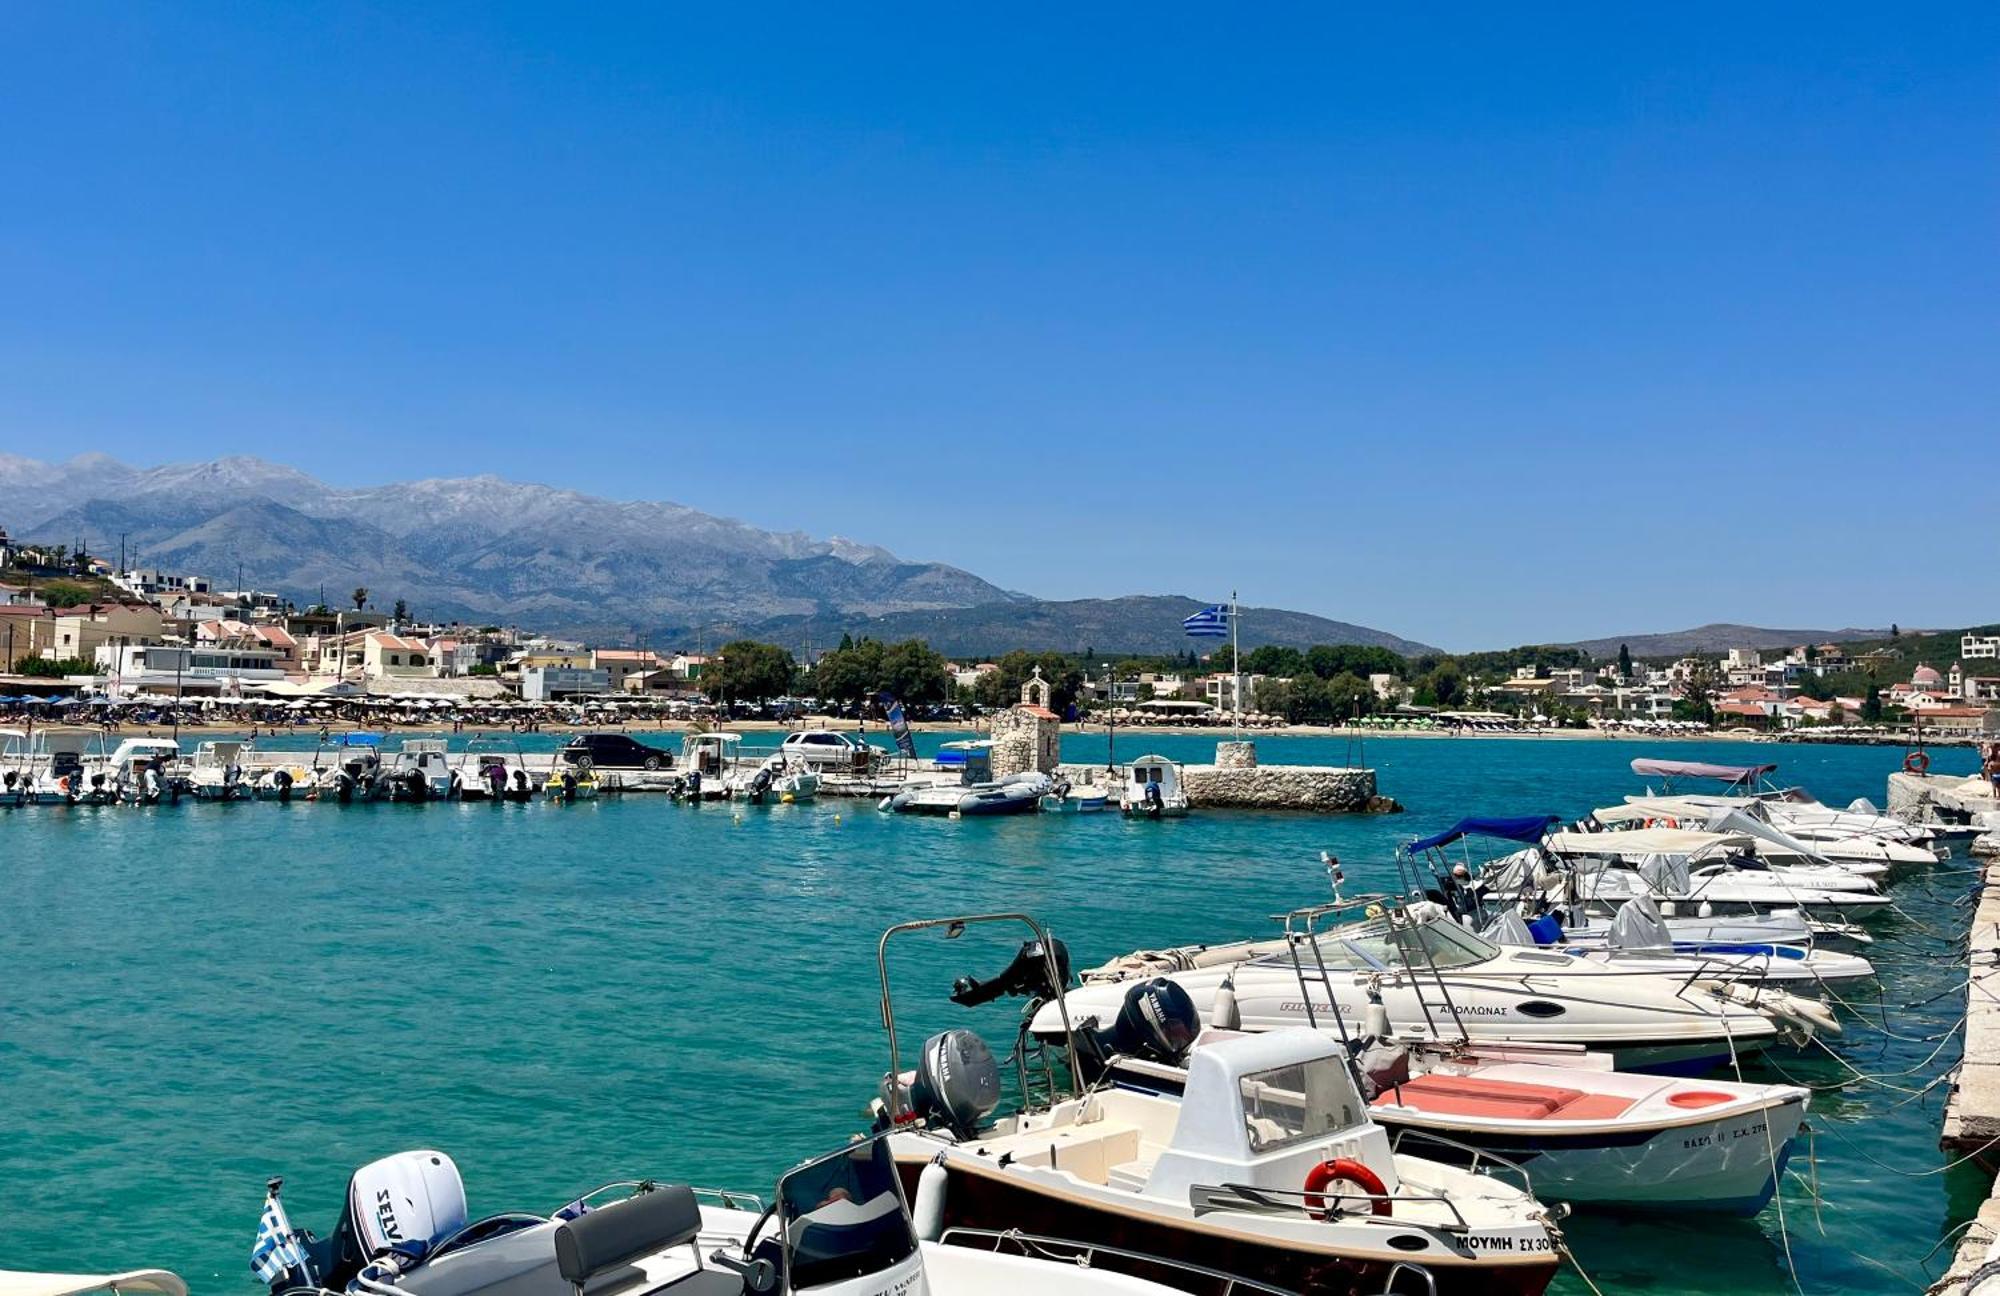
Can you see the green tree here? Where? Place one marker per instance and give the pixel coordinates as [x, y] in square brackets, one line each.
[1871, 706]
[749, 671]
[62, 594]
[1329, 660]
[1275, 659]
[914, 674]
[1624, 662]
[402, 612]
[55, 667]
[360, 596]
[848, 673]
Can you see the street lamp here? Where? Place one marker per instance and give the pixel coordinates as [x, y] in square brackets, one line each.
[1110, 719]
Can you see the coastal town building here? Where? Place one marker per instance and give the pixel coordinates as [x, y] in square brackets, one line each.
[187, 671]
[541, 683]
[620, 664]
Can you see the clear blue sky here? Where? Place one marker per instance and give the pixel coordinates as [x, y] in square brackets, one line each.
[1485, 326]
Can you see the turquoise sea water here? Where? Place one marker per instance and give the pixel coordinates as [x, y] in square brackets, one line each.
[194, 998]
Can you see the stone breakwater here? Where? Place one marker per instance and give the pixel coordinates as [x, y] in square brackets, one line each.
[1327, 789]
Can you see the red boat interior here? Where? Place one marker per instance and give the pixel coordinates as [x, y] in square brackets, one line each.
[1454, 1095]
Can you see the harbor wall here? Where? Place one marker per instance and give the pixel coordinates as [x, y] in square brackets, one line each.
[1326, 789]
[1972, 1112]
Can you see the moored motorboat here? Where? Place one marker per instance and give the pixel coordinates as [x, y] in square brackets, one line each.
[1267, 1164]
[216, 773]
[1153, 789]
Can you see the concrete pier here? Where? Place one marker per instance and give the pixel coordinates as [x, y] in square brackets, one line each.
[1972, 1112]
[1326, 789]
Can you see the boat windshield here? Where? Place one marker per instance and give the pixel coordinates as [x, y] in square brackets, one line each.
[1291, 1104]
[1375, 946]
[843, 1217]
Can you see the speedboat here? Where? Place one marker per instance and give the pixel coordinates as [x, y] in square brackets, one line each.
[708, 760]
[349, 770]
[568, 783]
[1442, 982]
[144, 770]
[1637, 939]
[776, 781]
[1267, 1163]
[839, 1226]
[1779, 845]
[1153, 789]
[1704, 884]
[492, 769]
[216, 772]
[421, 771]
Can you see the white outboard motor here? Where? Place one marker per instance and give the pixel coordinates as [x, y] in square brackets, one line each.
[411, 1198]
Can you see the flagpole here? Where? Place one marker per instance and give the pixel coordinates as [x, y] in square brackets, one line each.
[1236, 668]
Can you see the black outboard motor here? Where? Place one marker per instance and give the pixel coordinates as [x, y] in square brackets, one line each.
[1027, 975]
[568, 786]
[1157, 1021]
[694, 783]
[1155, 803]
[283, 778]
[957, 1083]
[522, 791]
[760, 784]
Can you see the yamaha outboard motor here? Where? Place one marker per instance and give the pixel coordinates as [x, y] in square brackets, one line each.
[760, 783]
[1157, 1022]
[1027, 975]
[283, 778]
[958, 1082]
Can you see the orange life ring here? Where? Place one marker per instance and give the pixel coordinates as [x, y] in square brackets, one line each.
[1328, 1172]
[1916, 762]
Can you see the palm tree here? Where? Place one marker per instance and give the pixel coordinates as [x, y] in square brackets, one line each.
[359, 596]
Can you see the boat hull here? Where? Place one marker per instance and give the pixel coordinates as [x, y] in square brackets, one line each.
[994, 1202]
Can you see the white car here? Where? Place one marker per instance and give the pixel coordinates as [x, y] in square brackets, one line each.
[822, 749]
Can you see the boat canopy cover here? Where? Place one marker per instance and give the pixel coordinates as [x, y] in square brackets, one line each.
[1698, 769]
[1521, 828]
[1637, 841]
[1510, 929]
[16, 1282]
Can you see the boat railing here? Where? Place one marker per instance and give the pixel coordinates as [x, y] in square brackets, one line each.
[1477, 1158]
[1206, 1198]
[728, 1198]
[1085, 1255]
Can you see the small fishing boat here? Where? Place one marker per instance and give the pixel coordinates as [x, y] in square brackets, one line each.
[1153, 789]
[779, 780]
[145, 771]
[1267, 1163]
[567, 783]
[349, 770]
[708, 760]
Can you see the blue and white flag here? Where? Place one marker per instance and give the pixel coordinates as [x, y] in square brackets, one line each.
[277, 1250]
[1210, 623]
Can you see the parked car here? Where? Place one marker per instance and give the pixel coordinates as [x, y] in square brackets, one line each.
[823, 749]
[613, 751]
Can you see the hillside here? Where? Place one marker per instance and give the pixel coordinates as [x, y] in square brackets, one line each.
[486, 549]
[1714, 638]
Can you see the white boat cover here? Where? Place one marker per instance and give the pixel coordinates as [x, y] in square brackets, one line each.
[1638, 927]
[1509, 929]
[18, 1282]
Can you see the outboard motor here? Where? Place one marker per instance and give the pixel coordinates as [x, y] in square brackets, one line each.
[958, 1082]
[569, 785]
[283, 780]
[1154, 800]
[404, 1204]
[1027, 976]
[694, 783]
[1157, 1021]
[760, 784]
[522, 790]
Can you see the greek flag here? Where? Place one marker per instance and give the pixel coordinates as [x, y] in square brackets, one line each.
[276, 1252]
[1210, 623]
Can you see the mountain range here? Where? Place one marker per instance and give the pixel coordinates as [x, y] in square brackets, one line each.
[483, 549]
[1717, 637]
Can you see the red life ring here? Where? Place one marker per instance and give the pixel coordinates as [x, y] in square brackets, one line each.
[1916, 762]
[1327, 1172]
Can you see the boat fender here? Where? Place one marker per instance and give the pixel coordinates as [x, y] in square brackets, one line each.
[1326, 1173]
[1223, 1014]
[1917, 762]
[928, 1212]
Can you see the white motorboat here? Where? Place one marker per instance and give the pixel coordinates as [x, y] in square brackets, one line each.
[1779, 845]
[349, 770]
[421, 770]
[1068, 798]
[839, 1227]
[1441, 982]
[1696, 882]
[1153, 789]
[708, 760]
[492, 768]
[146, 771]
[216, 773]
[1266, 1164]
[776, 781]
[1638, 939]
[1588, 1135]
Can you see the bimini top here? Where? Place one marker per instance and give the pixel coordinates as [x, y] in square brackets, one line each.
[1696, 769]
[1522, 828]
[15, 1282]
[1641, 841]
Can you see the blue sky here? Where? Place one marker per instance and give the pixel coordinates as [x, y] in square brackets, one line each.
[1477, 326]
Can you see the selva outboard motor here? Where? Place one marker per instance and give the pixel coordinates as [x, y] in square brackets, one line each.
[1027, 975]
[957, 1082]
[404, 1204]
